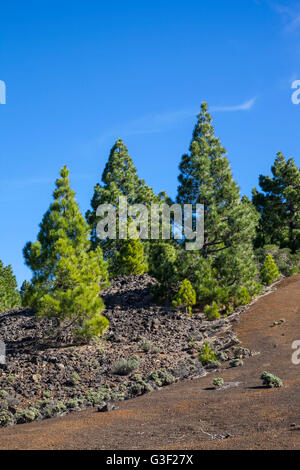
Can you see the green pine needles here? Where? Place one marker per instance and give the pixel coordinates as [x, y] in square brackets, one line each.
[185, 297]
[130, 258]
[67, 274]
[9, 295]
[269, 272]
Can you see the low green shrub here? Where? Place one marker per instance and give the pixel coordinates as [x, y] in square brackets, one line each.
[146, 346]
[185, 297]
[269, 272]
[236, 362]
[162, 377]
[242, 297]
[140, 386]
[125, 366]
[270, 380]
[212, 311]
[218, 382]
[206, 354]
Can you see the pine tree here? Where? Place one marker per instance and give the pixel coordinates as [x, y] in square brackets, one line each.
[229, 221]
[163, 265]
[67, 275]
[279, 205]
[269, 272]
[185, 297]
[212, 311]
[130, 259]
[9, 294]
[119, 178]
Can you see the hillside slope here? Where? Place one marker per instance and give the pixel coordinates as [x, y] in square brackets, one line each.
[179, 416]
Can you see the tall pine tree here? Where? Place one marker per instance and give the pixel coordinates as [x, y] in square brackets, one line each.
[67, 275]
[279, 205]
[229, 221]
[119, 178]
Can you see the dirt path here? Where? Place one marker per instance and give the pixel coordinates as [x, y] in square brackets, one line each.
[175, 417]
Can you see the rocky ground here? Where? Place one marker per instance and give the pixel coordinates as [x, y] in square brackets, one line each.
[192, 414]
[147, 346]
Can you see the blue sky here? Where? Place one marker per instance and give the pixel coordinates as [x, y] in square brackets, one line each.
[80, 74]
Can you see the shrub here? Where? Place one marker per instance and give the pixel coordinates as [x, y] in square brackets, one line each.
[218, 382]
[125, 366]
[162, 266]
[288, 264]
[241, 352]
[73, 403]
[6, 418]
[130, 259]
[206, 354]
[270, 380]
[99, 396]
[185, 297]
[242, 297]
[146, 346]
[27, 415]
[162, 377]
[213, 364]
[74, 380]
[140, 386]
[10, 379]
[236, 362]
[212, 311]
[269, 272]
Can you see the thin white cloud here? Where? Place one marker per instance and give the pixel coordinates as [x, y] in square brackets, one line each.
[240, 107]
[290, 14]
[164, 122]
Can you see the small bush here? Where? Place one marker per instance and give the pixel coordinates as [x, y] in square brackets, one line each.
[270, 380]
[241, 352]
[288, 264]
[218, 382]
[269, 272]
[242, 297]
[146, 346]
[162, 377]
[96, 397]
[206, 354]
[6, 418]
[185, 297]
[236, 362]
[213, 364]
[27, 415]
[212, 311]
[11, 379]
[125, 366]
[73, 404]
[74, 378]
[140, 386]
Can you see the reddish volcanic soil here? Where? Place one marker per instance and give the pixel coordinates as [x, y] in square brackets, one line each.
[179, 416]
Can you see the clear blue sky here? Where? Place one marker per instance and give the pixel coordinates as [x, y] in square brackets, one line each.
[80, 74]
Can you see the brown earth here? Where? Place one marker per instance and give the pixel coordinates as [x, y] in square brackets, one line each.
[179, 416]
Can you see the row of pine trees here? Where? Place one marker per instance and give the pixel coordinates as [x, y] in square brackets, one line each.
[71, 266]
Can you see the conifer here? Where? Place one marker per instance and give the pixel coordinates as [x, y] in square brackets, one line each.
[67, 275]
